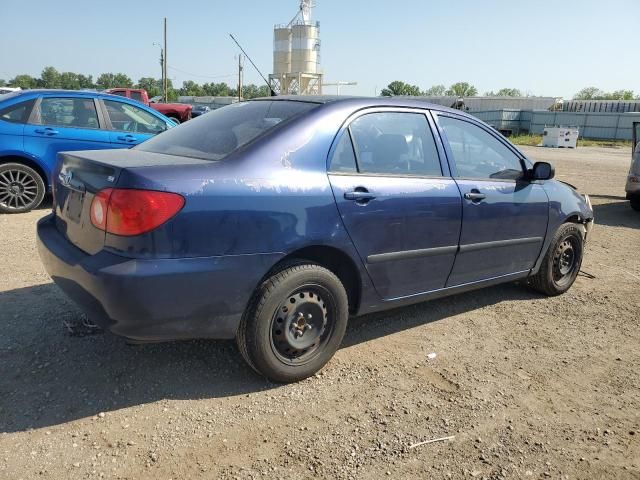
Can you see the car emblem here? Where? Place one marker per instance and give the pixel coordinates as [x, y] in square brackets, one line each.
[65, 178]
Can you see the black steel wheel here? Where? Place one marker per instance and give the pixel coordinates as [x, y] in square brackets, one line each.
[21, 188]
[294, 323]
[561, 264]
[301, 325]
[565, 260]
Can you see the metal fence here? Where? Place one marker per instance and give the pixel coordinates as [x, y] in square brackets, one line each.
[595, 125]
[611, 106]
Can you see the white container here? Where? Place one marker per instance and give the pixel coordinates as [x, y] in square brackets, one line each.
[560, 137]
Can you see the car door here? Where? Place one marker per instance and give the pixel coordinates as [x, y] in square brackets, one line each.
[504, 216]
[12, 121]
[131, 125]
[64, 123]
[399, 205]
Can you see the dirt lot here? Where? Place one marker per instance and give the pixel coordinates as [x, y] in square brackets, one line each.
[531, 387]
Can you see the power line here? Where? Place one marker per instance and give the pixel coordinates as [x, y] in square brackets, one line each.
[201, 76]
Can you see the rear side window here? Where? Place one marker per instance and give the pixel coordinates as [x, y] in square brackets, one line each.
[18, 113]
[69, 112]
[344, 159]
[217, 134]
[395, 143]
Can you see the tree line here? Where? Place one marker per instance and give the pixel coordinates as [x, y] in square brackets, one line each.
[465, 89]
[51, 78]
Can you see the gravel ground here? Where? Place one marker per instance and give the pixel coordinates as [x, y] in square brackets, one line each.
[531, 387]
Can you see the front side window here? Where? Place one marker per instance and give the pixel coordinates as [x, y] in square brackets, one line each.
[217, 134]
[69, 112]
[395, 143]
[127, 118]
[18, 113]
[477, 154]
[137, 96]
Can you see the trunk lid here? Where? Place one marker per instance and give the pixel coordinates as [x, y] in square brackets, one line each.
[80, 175]
[76, 182]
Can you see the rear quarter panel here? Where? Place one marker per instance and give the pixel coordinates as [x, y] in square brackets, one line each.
[273, 196]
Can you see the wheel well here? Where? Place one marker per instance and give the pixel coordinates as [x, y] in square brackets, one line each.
[334, 260]
[28, 163]
[576, 218]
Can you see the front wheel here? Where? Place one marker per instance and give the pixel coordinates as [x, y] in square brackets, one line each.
[635, 203]
[294, 323]
[21, 188]
[561, 263]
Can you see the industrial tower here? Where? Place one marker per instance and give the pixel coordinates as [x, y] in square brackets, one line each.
[296, 55]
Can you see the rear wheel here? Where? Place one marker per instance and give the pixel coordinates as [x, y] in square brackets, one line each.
[21, 188]
[561, 263]
[294, 323]
[635, 203]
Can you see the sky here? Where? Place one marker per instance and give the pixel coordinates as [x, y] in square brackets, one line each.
[548, 48]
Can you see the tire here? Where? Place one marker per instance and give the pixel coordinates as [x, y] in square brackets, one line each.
[21, 188]
[635, 203]
[561, 263]
[294, 323]
[176, 120]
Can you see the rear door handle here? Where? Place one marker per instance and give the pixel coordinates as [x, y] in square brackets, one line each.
[127, 138]
[359, 195]
[474, 196]
[46, 131]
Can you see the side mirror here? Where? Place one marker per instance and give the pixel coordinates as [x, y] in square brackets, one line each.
[542, 171]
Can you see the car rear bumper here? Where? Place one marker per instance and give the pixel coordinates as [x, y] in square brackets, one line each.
[633, 186]
[154, 299]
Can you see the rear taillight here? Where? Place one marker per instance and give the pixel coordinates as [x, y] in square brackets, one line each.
[99, 208]
[130, 212]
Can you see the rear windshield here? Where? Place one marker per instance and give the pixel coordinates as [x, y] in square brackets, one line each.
[217, 134]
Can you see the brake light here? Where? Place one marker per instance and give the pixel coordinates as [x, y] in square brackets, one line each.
[129, 212]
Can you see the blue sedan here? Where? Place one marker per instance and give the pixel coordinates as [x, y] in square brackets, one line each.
[272, 221]
[37, 124]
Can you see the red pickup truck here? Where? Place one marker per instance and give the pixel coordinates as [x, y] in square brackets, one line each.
[178, 112]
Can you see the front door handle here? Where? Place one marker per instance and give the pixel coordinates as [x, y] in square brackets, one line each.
[127, 138]
[47, 131]
[359, 195]
[474, 196]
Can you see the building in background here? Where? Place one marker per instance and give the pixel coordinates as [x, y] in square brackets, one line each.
[481, 104]
[296, 55]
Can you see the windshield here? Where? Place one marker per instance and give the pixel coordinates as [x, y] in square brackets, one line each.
[217, 134]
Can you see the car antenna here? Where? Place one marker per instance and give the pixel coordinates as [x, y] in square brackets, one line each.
[273, 93]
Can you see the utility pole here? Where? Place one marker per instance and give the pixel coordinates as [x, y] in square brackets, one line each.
[240, 69]
[164, 66]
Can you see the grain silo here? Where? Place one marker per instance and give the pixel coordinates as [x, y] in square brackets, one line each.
[296, 55]
[281, 50]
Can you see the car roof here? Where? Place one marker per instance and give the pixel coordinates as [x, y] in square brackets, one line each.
[78, 93]
[364, 102]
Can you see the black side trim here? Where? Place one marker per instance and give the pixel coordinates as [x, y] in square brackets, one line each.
[405, 254]
[472, 247]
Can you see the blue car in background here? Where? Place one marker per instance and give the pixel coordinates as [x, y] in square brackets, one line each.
[37, 124]
[271, 221]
